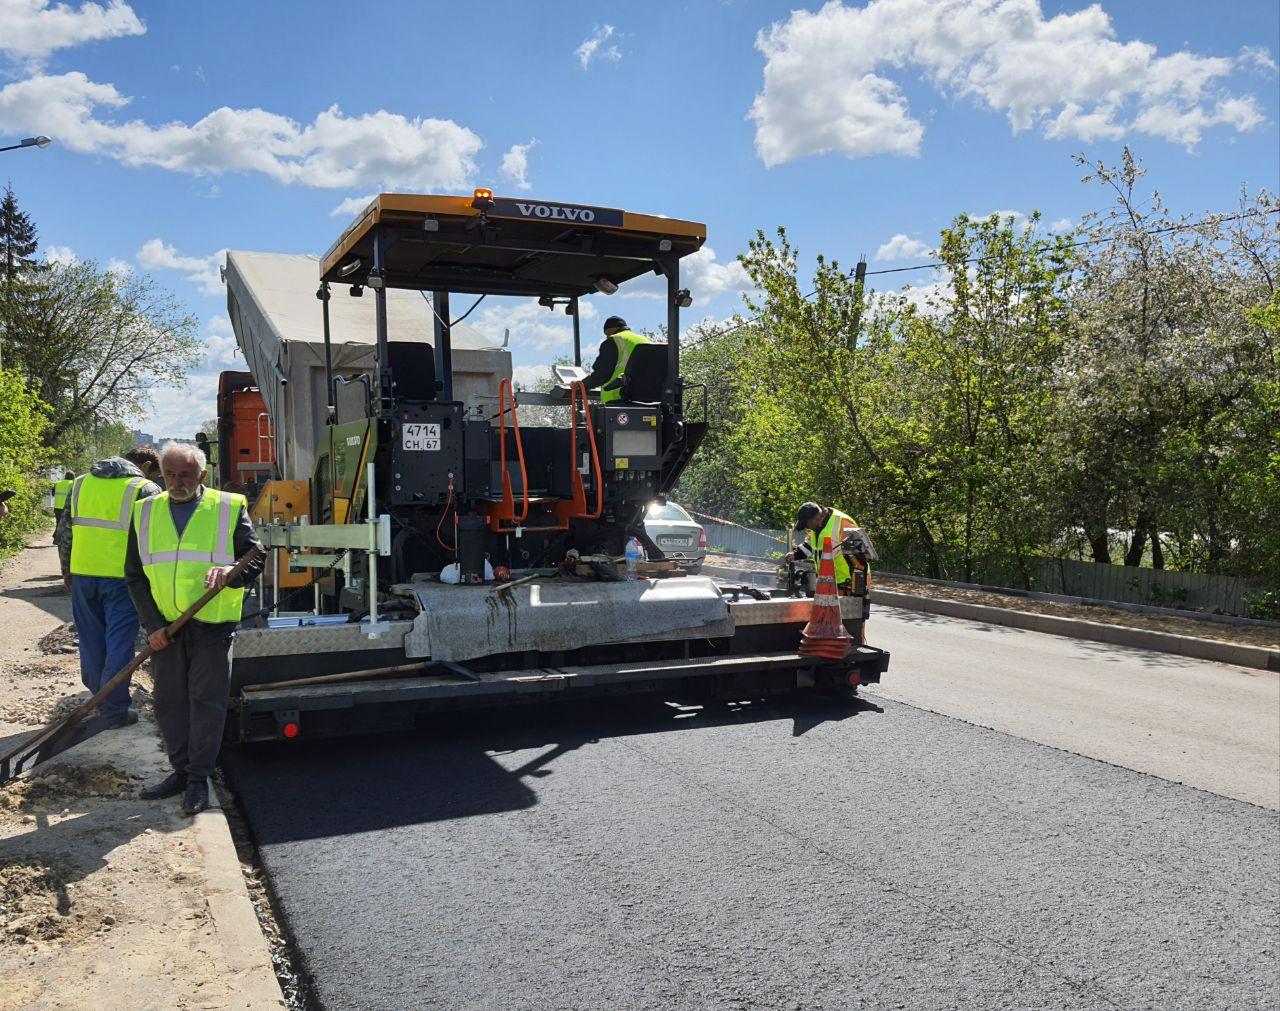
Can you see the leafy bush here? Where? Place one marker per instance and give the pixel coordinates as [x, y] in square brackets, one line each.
[22, 421]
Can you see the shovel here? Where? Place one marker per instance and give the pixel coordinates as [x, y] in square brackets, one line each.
[12, 763]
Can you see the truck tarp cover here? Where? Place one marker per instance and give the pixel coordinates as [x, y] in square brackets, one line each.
[278, 323]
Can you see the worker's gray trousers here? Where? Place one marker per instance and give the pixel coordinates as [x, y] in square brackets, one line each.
[193, 676]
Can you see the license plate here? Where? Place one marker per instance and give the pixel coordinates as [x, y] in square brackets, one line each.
[675, 542]
[420, 438]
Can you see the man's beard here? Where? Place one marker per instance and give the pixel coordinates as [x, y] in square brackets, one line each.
[181, 494]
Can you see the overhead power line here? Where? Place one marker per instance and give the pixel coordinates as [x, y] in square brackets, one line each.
[1209, 219]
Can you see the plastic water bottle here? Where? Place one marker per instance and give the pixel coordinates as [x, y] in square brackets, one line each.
[634, 553]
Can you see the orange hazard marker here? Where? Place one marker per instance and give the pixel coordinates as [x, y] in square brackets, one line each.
[825, 636]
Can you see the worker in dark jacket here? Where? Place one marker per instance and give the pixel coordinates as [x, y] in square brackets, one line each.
[91, 536]
[610, 366]
[182, 543]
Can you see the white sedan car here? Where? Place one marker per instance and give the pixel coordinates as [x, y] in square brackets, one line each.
[679, 536]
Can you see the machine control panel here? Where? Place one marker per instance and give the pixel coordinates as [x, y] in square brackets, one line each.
[426, 448]
[633, 438]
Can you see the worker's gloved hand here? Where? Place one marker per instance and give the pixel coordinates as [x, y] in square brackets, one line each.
[216, 576]
[158, 640]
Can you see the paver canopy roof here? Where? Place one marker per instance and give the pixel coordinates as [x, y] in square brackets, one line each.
[504, 246]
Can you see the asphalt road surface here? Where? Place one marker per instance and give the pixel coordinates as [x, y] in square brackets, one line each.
[800, 855]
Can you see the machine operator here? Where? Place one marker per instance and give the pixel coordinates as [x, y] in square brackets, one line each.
[610, 367]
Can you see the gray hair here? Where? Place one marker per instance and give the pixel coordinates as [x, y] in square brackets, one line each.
[183, 449]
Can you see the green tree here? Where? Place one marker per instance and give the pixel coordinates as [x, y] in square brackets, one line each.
[18, 244]
[96, 344]
[924, 412]
[1163, 417]
[22, 455]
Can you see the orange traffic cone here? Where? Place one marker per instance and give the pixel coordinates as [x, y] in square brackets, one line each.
[825, 636]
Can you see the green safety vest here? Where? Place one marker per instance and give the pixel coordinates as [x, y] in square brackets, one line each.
[100, 508]
[836, 527]
[626, 342]
[60, 491]
[176, 565]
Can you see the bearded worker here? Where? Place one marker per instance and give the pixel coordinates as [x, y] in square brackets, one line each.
[186, 541]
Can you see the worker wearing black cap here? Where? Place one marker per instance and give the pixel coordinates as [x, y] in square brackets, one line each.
[611, 363]
[819, 523]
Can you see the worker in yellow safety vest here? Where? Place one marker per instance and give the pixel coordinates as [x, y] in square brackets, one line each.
[92, 535]
[181, 543]
[60, 492]
[819, 523]
[610, 366]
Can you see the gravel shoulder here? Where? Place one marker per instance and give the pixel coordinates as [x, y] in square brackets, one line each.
[106, 901]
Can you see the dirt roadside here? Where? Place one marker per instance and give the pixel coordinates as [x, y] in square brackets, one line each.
[106, 901]
[1246, 635]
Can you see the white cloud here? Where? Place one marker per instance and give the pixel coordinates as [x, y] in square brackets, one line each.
[824, 89]
[1258, 58]
[902, 248]
[352, 206]
[221, 342]
[334, 150]
[591, 48]
[532, 326]
[64, 256]
[202, 271]
[527, 377]
[120, 268]
[179, 411]
[700, 272]
[1061, 225]
[1015, 219]
[705, 278]
[32, 29]
[515, 164]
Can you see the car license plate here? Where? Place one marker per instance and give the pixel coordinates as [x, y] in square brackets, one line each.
[420, 438]
[675, 542]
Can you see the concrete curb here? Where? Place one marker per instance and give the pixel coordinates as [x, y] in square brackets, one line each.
[234, 919]
[1096, 631]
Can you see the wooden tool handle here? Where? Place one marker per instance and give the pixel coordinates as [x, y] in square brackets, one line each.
[58, 727]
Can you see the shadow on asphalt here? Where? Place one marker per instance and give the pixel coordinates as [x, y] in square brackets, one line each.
[446, 769]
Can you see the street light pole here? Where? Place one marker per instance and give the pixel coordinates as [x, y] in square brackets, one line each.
[40, 141]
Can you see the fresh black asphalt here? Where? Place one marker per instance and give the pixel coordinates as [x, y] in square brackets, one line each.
[798, 855]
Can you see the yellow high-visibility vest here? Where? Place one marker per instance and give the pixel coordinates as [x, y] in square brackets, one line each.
[626, 342]
[175, 564]
[60, 492]
[100, 509]
[836, 527]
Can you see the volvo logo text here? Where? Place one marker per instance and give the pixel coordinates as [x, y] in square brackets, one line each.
[557, 213]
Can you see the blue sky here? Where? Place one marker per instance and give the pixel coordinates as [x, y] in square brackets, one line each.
[185, 129]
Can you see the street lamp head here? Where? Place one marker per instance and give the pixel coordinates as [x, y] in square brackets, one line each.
[41, 141]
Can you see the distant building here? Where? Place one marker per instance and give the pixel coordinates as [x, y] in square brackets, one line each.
[142, 438]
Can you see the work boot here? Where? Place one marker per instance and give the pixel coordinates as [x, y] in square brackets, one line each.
[126, 719]
[196, 799]
[172, 785]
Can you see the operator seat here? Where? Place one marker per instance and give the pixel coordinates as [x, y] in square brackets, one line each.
[645, 375]
[413, 369]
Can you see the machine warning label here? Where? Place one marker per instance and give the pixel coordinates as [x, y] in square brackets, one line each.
[420, 438]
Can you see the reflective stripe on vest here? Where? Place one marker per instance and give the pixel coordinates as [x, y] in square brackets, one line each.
[175, 567]
[99, 509]
[60, 491]
[625, 341]
[833, 529]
